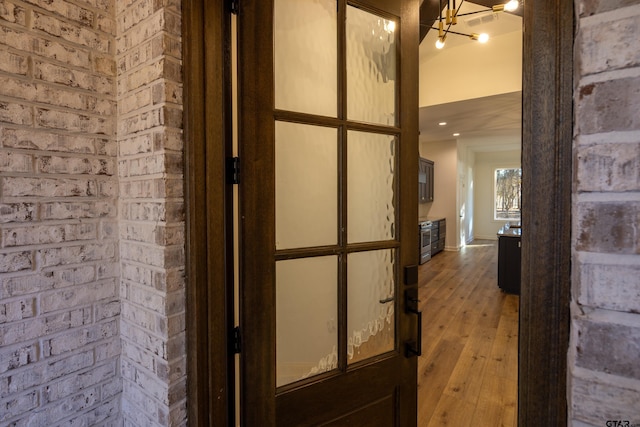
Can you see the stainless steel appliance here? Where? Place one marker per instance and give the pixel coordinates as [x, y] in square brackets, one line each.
[424, 228]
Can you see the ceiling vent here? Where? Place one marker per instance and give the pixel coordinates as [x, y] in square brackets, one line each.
[481, 20]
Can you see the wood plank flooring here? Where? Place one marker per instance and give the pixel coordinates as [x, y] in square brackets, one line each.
[467, 374]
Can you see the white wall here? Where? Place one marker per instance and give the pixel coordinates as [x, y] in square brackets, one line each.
[484, 226]
[444, 154]
[494, 59]
[466, 202]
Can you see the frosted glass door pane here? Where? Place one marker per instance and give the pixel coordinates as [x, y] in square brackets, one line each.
[306, 52]
[306, 318]
[306, 185]
[371, 68]
[370, 304]
[371, 163]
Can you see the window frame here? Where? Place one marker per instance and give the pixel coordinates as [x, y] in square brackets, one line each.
[495, 194]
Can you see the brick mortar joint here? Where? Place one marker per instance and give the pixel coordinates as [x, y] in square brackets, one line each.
[85, 6]
[615, 381]
[60, 176]
[162, 128]
[124, 33]
[57, 245]
[145, 87]
[611, 197]
[606, 139]
[70, 89]
[593, 258]
[58, 39]
[37, 247]
[149, 108]
[148, 353]
[162, 152]
[606, 76]
[92, 344]
[618, 14]
[584, 313]
[134, 5]
[148, 289]
[89, 305]
[160, 56]
[51, 107]
[144, 391]
[118, 56]
[38, 153]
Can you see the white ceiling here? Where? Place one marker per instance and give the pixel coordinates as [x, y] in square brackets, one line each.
[477, 118]
[473, 118]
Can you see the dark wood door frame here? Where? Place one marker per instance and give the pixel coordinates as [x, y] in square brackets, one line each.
[546, 158]
[547, 124]
[209, 210]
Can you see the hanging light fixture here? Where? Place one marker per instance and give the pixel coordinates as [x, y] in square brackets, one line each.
[510, 6]
[441, 34]
[451, 18]
[482, 37]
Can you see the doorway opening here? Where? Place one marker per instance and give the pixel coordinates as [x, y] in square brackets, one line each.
[547, 138]
[470, 126]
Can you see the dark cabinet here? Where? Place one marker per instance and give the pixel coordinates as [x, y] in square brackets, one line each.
[425, 181]
[509, 248]
[438, 235]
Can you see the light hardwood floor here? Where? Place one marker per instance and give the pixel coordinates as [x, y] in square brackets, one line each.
[467, 374]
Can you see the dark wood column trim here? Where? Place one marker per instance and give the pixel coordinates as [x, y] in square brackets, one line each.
[207, 139]
[547, 176]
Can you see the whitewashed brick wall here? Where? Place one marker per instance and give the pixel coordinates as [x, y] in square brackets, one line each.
[604, 356]
[92, 326]
[59, 287]
[151, 212]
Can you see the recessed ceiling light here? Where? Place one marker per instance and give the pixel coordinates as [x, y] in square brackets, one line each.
[456, 134]
[442, 123]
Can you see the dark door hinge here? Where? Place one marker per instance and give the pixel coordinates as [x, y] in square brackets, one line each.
[234, 6]
[236, 341]
[233, 170]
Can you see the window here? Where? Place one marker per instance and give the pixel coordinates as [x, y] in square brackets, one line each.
[507, 195]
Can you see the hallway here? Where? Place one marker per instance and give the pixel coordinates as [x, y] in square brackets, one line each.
[467, 375]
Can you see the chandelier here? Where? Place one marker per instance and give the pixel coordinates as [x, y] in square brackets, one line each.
[451, 15]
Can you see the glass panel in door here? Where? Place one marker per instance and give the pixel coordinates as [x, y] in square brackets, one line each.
[371, 164]
[371, 67]
[306, 320]
[306, 56]
[371, 297]
[306, 185]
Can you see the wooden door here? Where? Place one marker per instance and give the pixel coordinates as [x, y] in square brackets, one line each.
[328, 143]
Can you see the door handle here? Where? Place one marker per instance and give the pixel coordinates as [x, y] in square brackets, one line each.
[413, 347]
